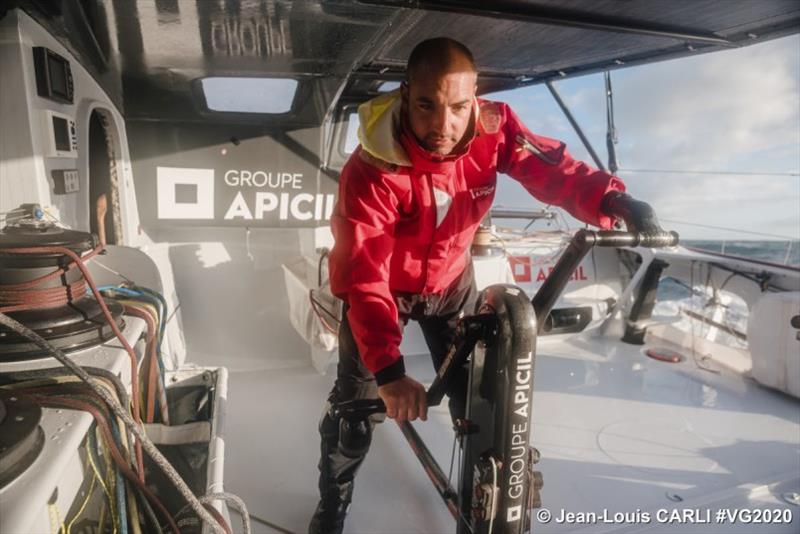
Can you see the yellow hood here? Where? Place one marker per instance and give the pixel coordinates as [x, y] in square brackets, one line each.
[380, 124]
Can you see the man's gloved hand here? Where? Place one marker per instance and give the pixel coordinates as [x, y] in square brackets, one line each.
[638, 216]
[405, 399]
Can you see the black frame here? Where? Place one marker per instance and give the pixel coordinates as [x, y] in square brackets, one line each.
[44, 60]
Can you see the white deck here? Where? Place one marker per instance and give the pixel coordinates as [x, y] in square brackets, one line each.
[617, 431]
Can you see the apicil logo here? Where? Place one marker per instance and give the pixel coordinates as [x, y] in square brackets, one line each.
[185, 193]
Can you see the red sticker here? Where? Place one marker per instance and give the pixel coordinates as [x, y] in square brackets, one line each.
[521, 268]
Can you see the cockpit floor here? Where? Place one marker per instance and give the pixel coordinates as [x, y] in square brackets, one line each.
[617, 431]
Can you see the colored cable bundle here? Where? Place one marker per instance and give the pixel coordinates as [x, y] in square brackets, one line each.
[117, 409]
[132, 423]
[78, 262]
[47, 387]
[151, 307]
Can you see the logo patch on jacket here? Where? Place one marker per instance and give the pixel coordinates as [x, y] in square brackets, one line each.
[482, 191]
[443, 202]
[490, 117]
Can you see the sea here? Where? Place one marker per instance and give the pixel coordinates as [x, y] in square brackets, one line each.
[780, 252]
[672, 298]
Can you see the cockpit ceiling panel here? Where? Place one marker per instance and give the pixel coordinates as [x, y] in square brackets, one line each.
[509, 42]
[257, 36]
[151, 50]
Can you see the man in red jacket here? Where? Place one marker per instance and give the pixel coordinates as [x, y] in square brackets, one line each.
[411, 198]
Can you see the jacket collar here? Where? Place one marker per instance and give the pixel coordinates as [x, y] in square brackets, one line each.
[384, 133]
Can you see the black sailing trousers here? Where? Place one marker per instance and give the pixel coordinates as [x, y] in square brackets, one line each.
[437, 315]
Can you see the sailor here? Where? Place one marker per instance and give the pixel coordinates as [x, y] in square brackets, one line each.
[411, 198]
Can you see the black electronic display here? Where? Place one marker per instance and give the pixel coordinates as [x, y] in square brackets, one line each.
[53, 75]
[61, 134]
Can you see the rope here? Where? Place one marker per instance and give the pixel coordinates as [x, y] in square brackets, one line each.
[148, 445]
[78, 261]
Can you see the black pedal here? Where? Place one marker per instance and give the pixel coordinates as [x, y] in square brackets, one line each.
[535, 479]
[464, 427]
[485, 496]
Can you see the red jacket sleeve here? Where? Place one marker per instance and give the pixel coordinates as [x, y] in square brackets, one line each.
[545, 168]
[363, 227]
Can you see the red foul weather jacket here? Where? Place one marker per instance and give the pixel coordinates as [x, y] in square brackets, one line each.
[405, 218]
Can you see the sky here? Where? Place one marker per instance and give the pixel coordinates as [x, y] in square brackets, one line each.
[736, 110]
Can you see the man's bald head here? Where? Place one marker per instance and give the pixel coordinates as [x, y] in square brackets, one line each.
[439, 94]
[441, 55]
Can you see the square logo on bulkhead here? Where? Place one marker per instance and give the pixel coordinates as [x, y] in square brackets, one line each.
[185, 193]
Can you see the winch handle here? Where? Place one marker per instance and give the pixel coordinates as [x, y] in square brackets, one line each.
[643, 228]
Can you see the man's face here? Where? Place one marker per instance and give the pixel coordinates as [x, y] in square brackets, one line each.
[440, 108]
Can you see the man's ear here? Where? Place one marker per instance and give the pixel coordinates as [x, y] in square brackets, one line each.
[404, 91]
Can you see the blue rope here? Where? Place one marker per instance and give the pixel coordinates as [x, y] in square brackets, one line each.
[123, 508]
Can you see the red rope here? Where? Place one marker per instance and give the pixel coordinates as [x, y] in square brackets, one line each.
[12, 300]
[150, 363]
[49, 276]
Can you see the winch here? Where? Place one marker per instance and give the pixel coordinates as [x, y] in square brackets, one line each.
[43, 287]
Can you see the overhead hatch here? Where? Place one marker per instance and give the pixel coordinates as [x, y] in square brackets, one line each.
[248, 95]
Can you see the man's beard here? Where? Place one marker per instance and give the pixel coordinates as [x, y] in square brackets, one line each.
[439, 145]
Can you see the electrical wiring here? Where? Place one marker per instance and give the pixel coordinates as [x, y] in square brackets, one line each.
[164, 308]
[145, 294]
[86, 499]
[78, 261]
[164, 319]
[77, 390]
[74, 391]
[119, 483]
[134, 509]
[148, 512]
[148, 445]
[156, 388]
[54, 372]
[149, 361]
[103, 424]
[65, 386]
[112, 271]
[133, 423]
[153, 303]
[56, 525]
[59, 375]
[162, 408]
[91, 447]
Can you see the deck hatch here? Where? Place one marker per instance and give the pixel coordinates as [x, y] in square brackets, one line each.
[249, 95]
